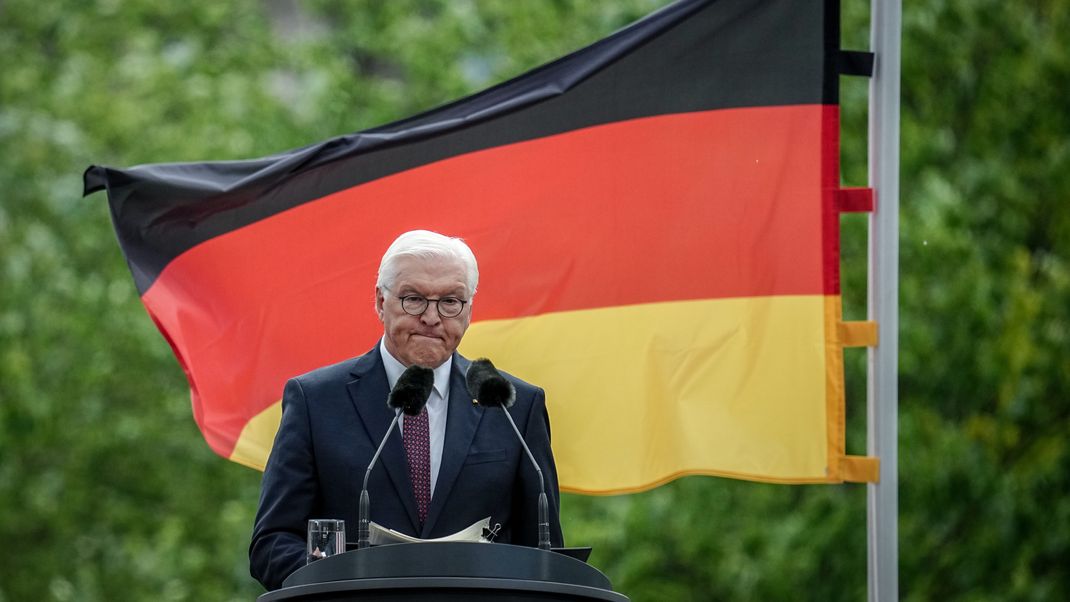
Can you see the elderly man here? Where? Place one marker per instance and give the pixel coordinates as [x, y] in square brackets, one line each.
[454, 464]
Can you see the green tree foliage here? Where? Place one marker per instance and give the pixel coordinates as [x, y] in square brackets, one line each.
[986, 301]
[108, 492]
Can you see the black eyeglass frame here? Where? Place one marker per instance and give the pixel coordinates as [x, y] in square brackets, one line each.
[424, 302]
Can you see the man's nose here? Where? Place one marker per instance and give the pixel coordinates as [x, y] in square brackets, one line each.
[430, 315]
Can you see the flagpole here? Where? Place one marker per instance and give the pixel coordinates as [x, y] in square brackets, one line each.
[882, 395]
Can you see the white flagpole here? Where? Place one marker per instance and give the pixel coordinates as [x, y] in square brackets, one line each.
[882, 394]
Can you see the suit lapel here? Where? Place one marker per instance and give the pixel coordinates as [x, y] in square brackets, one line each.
[462, 420]
[368, 392]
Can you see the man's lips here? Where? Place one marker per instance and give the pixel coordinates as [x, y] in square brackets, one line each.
[427, 335]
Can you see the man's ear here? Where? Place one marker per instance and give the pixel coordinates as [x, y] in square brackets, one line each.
[379, 299]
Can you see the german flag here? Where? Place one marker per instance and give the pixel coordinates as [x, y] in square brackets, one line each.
[656, 220]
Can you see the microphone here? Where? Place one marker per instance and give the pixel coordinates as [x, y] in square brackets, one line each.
[409, 395]
[489, 388]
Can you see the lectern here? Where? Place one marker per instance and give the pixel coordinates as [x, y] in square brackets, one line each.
[454, 571]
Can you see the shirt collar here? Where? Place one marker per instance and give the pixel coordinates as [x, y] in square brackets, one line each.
[394, 368]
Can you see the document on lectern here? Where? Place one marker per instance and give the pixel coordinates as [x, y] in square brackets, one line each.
[379, 535]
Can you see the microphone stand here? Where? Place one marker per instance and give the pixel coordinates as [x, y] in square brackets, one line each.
[363, 530]
[544, 510]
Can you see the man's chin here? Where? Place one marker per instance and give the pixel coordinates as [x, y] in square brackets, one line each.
[429, 354]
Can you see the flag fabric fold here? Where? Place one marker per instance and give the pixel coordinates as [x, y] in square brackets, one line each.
[656, 221]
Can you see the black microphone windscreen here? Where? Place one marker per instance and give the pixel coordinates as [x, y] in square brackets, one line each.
[411, 391]
[487, 386]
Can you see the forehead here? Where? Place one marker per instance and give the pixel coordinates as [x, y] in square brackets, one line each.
[437, 275]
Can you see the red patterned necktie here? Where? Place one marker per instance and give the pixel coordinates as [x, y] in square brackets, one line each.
[417, 443]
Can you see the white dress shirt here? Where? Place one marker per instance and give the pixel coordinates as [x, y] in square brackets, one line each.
[436, 405]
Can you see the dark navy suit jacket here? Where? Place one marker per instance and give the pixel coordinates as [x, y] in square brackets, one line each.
[333, 419]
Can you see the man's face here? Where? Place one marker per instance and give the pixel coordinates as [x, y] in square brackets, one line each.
[428, 339]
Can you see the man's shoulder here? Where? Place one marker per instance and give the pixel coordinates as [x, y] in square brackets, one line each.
[523, 388]
[343, 371]
[520, 384]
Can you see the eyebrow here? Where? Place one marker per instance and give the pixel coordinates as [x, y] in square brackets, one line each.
[407, 290]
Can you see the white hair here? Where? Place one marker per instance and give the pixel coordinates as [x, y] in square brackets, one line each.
[425, 244]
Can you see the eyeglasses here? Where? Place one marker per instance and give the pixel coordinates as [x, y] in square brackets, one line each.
[448, 307]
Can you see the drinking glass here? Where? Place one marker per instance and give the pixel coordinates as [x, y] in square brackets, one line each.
[326, 537]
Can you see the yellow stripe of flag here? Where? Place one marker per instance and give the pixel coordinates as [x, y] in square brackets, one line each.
[641, 394]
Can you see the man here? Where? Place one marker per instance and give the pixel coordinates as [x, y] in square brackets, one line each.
[454, 464]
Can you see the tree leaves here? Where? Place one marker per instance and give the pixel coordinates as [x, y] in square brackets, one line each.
[108, 492]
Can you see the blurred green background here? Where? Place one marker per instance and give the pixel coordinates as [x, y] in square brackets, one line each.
[108, 492]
